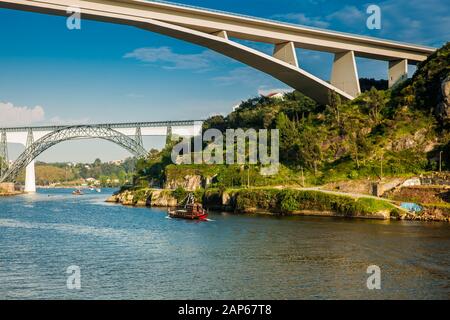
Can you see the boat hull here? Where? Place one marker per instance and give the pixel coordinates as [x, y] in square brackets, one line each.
[179, 214]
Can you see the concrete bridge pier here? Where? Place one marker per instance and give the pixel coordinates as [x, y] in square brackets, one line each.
[30, 174]
[30, 178]
[398, 71]
[344, 74]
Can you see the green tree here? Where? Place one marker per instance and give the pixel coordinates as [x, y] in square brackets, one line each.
[288, 138]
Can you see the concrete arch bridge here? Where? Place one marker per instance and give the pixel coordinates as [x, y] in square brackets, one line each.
[215, 30]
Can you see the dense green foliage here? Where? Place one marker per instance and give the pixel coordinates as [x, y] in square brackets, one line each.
[341, 140]
[152, 169]
[291, 201]
[367, 84]
[380, 133]
[423, 90]
[394, 129]
[109, 174]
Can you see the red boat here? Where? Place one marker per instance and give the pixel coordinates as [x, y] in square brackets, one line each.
[190, 211]
[77, 192]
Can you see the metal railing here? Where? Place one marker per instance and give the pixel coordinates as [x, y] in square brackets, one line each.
[152, 124]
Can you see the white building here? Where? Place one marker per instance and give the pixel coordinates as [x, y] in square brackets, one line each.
[116, 162]
[276, 95]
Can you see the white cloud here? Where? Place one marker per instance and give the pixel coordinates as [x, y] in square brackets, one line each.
[57, 121]
[349, 15]
[417, 21]
[241, 75]
[134, 95]
[171, 60]
[14, 116]
[11, 115]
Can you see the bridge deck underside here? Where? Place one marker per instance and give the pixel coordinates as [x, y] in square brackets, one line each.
[192, 26]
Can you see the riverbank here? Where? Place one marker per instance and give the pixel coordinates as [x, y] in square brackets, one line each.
[274, 201]
[277, 202]
[8, 189]
[10, 194]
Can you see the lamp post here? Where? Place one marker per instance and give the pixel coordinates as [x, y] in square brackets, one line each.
[381, 167]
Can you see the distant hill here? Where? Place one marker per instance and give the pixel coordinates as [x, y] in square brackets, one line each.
[367, 84]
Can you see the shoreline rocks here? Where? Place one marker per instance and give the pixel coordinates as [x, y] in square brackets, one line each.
[8, 189]
[144, 198]
[273, 202]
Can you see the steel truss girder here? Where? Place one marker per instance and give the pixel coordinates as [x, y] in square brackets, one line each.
[154, 124]
[71, 133]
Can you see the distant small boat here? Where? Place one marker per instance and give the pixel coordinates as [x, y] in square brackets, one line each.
[98, 190]
[190, 211]
[77, 192]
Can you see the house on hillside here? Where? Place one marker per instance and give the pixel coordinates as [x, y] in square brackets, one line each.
[275, 95]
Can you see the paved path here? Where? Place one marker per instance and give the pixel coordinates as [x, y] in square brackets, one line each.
[349, 194]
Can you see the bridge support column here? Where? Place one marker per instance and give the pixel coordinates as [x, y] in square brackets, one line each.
[398, 71]
[222, 34]
[169, 135]
[30, 175]
[345, 74]
[286, 52]
[30, 178]
[4, 161]
[138, 137]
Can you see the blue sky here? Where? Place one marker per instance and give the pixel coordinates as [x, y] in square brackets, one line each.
[106, 72]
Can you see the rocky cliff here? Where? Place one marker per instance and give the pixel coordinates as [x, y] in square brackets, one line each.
[443, 107]
[145, 197]
[187, 182]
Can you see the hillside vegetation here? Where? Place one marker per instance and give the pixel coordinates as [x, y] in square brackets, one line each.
[64, 173]
[397, 132]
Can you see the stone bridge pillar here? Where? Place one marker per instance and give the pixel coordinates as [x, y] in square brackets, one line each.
[30, 176]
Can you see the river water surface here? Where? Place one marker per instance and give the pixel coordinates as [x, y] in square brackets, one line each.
[138, 253]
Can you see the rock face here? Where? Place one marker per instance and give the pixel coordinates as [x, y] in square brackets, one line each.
[162, 198]
[443, 107]
[7, 187]
[418, 139]
[429, 213]
[188, 182]
[421, 194]
[369, 187]
[149, 197]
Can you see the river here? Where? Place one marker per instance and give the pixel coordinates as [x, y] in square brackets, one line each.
[139, 253]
